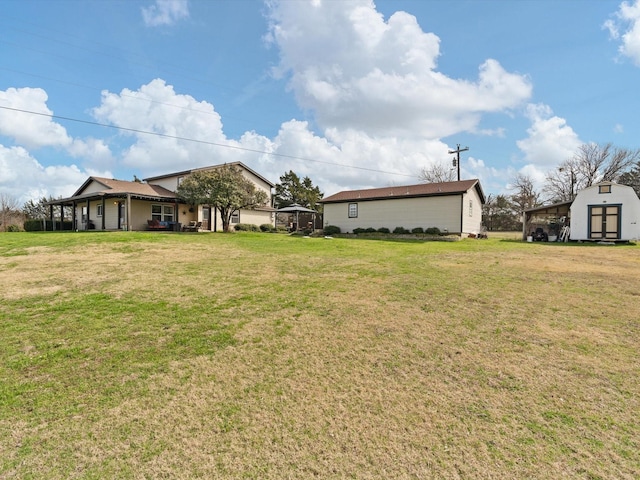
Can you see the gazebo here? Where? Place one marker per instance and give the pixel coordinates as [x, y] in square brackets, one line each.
[296, 209]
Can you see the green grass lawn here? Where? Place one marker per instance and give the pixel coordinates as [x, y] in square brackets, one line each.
[154, 355]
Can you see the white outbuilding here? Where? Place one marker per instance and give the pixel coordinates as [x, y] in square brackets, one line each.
[605, 211]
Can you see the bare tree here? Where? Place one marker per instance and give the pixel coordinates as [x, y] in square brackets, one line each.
[591, 164]
[524, 195]
[437, 173]
[9, 210]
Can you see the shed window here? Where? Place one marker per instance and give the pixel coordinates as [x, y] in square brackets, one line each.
[353, 210]
[604, 189]
[471, 208]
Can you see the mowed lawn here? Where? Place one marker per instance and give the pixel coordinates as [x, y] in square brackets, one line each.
[151, 355]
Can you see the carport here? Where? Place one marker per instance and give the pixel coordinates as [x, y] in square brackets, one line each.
[554, 219]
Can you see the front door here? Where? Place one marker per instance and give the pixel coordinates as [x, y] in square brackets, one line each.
[121, 216]
[206, 215]
[604, 222]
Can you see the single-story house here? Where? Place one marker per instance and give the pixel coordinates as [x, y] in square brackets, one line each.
[605, 211]
[453, 207]
[109, 204]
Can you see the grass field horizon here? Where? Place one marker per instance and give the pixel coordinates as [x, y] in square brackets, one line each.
[248, 355]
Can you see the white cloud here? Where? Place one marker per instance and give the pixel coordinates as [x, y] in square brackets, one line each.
[24, 178]
[627, 20]
[29, 129]
[165, 12]
[182, 129]
[355, 70]
[550, 141]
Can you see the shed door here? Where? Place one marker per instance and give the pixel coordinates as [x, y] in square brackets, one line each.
[604, 222]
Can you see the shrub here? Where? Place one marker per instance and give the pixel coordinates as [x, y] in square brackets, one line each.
[13, 228]
[370, 230]
[432, 231]
[400, 230]
[35, 225]
[246, 227]
[384, 230]
[358, 230]
[267, 227]
[331, 230]
[417, 230]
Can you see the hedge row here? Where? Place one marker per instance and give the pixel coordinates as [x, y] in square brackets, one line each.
[46, 225]
[333, 230]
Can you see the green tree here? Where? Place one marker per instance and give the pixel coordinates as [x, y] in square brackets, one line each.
[632, 178]
[292, 189]
[36, 210]
[500, 213]
[224, 188]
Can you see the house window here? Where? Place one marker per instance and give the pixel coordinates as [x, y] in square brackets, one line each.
[235, 217]
[162, 213]
[604, 189]
[353, 210]
[471, 208]
[99, 212]
[180, 180]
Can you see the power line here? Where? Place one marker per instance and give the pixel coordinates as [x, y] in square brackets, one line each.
[203, 142]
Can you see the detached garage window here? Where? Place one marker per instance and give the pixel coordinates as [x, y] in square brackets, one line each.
[471, 208]
[353, 210]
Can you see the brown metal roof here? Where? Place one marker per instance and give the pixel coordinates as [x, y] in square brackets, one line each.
[406, 191]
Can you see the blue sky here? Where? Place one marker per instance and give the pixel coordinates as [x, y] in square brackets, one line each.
[352, 93]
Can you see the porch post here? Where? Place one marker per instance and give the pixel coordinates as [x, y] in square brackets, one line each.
[128, 213]
[88, 215]
[50, 218]
[61, 217]
[74, 220]
[104, 212]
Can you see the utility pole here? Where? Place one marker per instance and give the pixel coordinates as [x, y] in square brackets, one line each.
[456, 161]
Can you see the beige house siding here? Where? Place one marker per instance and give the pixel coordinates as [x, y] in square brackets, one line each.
[442, 212]
[255, 217]
[471, 212]
[170, 183]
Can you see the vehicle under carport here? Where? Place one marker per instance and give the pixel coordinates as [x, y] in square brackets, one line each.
[553, 219]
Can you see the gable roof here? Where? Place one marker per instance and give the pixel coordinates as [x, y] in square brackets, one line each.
[113, 186]
[407, 191]
[200, 169]
[117, 188]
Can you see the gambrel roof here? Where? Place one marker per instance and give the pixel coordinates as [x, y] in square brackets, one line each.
[407, 191]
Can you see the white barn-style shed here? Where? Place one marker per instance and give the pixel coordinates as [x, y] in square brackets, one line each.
[606, 211]
[454, 207]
